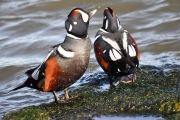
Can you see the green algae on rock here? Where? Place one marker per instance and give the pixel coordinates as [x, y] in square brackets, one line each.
[28, 114]
[152, 93]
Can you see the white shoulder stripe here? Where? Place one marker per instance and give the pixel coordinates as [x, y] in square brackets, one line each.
[49, 54]
[111, 42]
[112, 56]
[132, 51]
[97, 37]
[35, 74]
[63, 52]
[124, 39]
[116, 54]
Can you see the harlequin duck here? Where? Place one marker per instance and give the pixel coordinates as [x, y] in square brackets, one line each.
[67, 61]
[115, 49]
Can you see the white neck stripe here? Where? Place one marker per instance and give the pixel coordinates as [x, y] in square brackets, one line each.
[72, 36]
[103, 30]
[63, 52]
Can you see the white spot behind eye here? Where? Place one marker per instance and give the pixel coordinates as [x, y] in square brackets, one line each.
[74, 23]
[70, 27]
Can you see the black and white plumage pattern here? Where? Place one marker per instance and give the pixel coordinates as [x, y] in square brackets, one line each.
[67, 61]
[115, 49]
[38, 73]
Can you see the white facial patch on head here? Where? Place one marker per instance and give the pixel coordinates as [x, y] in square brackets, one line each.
[84, 15]
[65, 53]
[70, 27]
[74, 23]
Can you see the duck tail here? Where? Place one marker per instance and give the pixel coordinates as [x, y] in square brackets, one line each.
[25, 84]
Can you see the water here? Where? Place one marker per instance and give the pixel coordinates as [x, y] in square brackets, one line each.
[29, 28]
[128, 118]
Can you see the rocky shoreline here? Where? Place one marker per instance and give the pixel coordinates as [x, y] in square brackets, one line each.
[153, 93]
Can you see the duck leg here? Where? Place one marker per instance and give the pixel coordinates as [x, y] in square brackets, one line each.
[124, 79]
[66, 95]
[56, 97]
[58, 100]
[111, 82]
[65, 99]
[128, 78]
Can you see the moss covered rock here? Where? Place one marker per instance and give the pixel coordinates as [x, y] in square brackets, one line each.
[152, 93]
